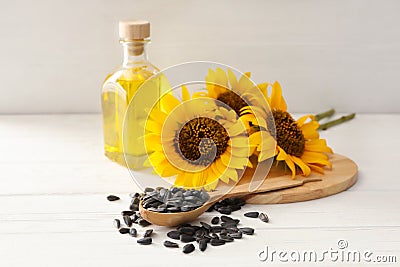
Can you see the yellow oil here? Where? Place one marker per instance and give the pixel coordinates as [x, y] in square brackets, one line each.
[118, 90]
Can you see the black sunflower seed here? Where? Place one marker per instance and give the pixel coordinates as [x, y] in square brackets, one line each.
[133, 232]
[217, 229]
[134, 207]
[187, 238]
[217, 242]
[170, 244]
[215, 220]
[145, 241]
[148, 233]
[124, 230]
[187, 230]
[237, 235]
[235, 207]
[226, 218]
[127, 213]
[143, 222]
[229, 224]
[247, 230]
[203, 244]
[263, 217]
[226, 238]
[112, 198]
[252, 214]
[128, 220]
[210, 209]
[188, 248]
[206, 226]
[225, 210]
[174, 235]
[117, 223]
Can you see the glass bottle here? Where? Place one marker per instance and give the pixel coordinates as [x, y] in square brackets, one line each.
[120, 86]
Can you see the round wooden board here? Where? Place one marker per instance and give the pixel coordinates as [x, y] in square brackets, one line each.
[342, 176]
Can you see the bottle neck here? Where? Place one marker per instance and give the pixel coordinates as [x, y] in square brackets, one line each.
[134, 52]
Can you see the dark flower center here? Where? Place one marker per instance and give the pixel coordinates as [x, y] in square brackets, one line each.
[233, 100]
[201, 140]
[288, 134]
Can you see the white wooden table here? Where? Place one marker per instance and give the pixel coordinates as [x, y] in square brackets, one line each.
[54, 212]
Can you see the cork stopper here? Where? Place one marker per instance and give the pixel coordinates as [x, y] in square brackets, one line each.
[134, 30]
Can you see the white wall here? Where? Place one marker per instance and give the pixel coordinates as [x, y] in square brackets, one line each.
[343, 54]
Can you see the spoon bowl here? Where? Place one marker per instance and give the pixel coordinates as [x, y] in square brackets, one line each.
[172, 219]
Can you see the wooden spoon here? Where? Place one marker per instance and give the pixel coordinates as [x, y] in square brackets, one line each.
[241, 189]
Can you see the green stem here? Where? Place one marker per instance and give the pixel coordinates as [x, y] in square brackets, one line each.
[326, 126]
[325, 114]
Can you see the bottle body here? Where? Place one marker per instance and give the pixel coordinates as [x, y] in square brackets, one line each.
[118, 91]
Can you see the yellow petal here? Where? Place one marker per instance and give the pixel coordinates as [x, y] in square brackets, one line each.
[303, 119]
[239, 141]
[221, 78]
[316, 168]
[305, 169]
[185, 93]
[153, 126]
[277, 100]
[281, 155]
[291, 166]
[168, 102]
[317, 145]
[232, 174]
[232, 79]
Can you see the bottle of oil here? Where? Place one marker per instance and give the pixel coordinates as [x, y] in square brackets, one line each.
[118, 89]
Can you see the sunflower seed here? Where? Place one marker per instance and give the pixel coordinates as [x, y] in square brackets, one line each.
[134, 207]
[263, 217]
[206, 226]
[170, 244]
[237, 235]
[235, 207]
[148, 189]
[143, 222]
[174, 235]
[252, 214]
[133, 232]
[127, 213]
[215, 220]
[247, 230]
[187, 230]
[217, 242]
[188, 248]
[210, 209]
[117, 223]
[203, 244]
[148, 233]
[112, 198]
[128, 221]
[226, 218]
[225, 210]
[216, 229]
[187, 238]
[229, 224]
[226, 238]
[145, 241]
[124, 231]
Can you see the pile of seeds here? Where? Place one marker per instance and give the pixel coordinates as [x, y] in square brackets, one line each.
[216, 235]
[173, 200]
[221, 230]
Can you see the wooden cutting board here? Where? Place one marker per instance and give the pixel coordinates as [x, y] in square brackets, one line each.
[342, 176]
[279, 187]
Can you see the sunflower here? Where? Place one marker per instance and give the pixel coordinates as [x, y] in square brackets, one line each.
[196, 141]
[233, 93]
[298, 142]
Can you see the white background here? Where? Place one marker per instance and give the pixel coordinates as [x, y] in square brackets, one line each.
[343, 54]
